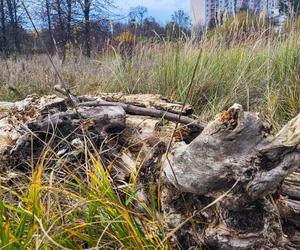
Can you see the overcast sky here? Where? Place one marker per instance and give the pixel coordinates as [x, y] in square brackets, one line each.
[160, 9]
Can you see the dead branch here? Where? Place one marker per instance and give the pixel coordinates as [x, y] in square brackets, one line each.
[131, 109]
[135, 110]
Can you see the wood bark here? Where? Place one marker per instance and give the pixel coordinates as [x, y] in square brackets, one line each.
[48, 14]
[234, 153]
[87, 26]
[4, 45]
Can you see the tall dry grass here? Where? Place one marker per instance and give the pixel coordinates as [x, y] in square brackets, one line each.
[261, 72]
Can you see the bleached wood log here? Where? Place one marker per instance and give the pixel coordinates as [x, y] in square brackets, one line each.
[148, 101]
[143, 104]
[99, 116]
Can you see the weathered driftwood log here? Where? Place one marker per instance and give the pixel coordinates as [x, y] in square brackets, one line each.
[99, 120]
[148, 101]
[104, 118]
[141, 100]
[233, 150]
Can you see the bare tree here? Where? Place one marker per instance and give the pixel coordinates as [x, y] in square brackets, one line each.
[87, 26]
[49, 22]
[181, 19]
[3, 29]
[62, 16]
[12, 12]
[86, 23]
[89, 7]
[138, 13]
[59, 14]
[69, 19]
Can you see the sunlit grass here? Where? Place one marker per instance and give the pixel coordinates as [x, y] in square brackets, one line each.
[90, 213]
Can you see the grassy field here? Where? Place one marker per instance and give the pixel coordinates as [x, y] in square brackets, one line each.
[261, 72]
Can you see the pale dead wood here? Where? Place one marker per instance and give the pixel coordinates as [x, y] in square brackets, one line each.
[144, 106]
[200, 207]
[235, 146]
[136, 110]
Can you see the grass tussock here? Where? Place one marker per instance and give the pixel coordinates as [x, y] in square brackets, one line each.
[45, 211]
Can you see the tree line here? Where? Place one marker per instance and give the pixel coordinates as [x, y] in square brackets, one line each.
[88, 25]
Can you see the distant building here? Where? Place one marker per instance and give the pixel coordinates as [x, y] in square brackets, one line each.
[207, 12]
[198, 12]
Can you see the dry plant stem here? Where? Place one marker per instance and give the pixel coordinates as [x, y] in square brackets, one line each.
[176, 127]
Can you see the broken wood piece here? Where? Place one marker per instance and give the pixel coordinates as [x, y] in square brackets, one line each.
[234, 148]
[144, 104]
[291, 185]
[148, 101]
[66, 92]
[98, 116]
[135, 110]
[231, 147]
[100, 121]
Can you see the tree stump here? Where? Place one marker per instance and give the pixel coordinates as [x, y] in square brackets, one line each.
[235, 153]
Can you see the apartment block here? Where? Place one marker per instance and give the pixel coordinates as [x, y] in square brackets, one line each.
[206, 12]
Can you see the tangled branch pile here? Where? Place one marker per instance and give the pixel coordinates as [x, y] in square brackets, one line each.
[229, 184]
